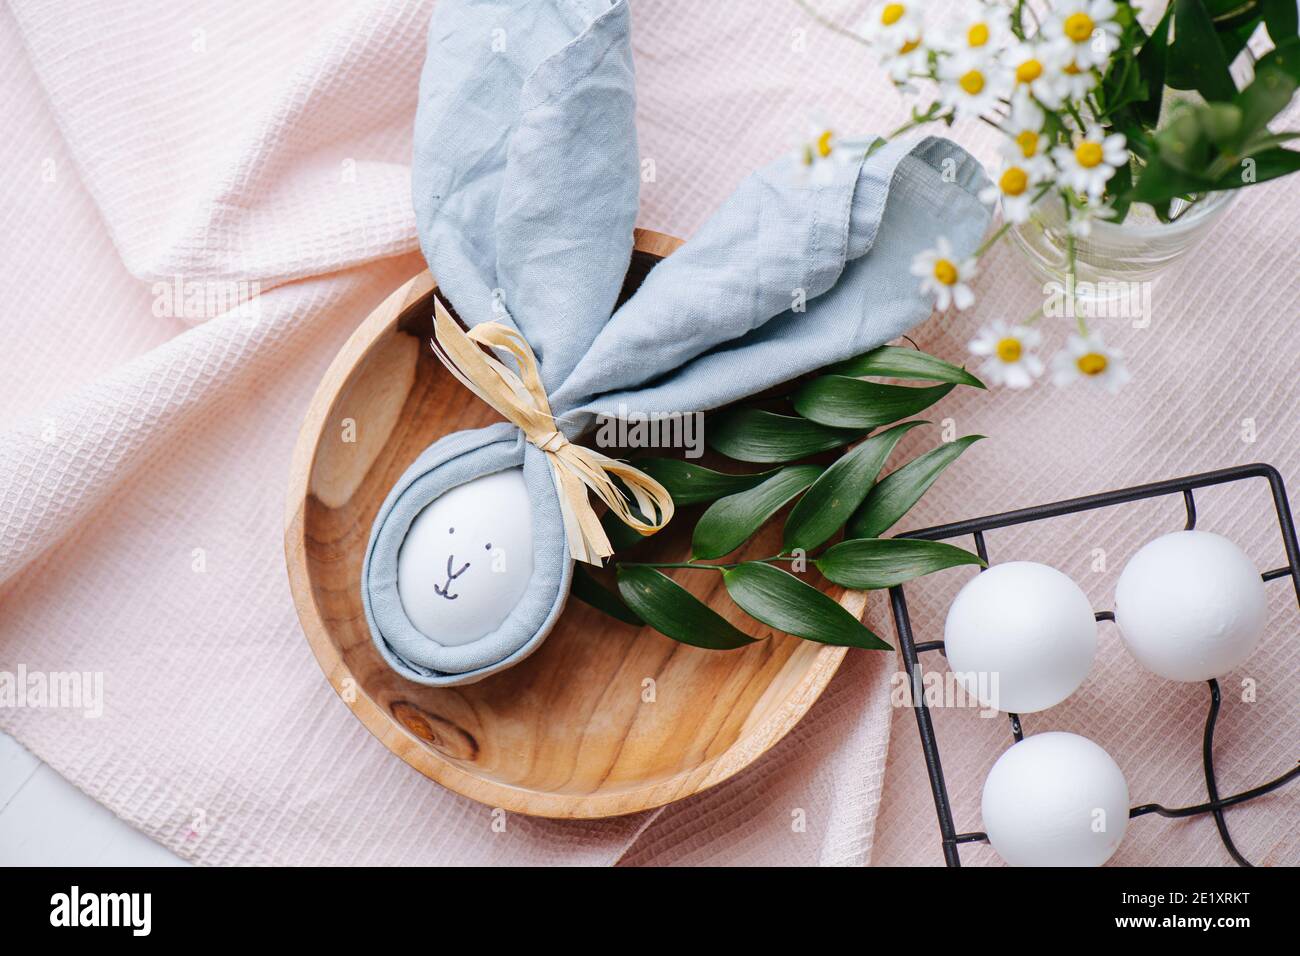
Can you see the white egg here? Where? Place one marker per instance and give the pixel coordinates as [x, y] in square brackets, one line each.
[1020, 637]
[467, 559]
[1055, 799]
[1190, 606]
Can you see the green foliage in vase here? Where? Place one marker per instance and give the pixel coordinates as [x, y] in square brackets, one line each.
[1079, 88]
[1222, 141]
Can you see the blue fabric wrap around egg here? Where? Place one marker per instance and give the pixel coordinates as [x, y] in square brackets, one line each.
[525, 182]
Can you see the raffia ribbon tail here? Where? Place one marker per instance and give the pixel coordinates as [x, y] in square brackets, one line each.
[521, 398]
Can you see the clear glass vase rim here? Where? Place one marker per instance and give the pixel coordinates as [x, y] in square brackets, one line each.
[1202, 208]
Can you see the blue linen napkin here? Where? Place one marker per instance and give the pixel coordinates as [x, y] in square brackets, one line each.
[525, 186]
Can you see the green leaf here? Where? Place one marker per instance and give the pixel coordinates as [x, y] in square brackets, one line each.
[1186, 159]
[1122, 85]
[843, 402]
[870, 563]
[691, 484]
[1184, 143]
[1161, 182]
[1285, 57]
[1197, 59]
[1151, 60]
[588, 590]
[1267, 140]
[1281, 18]
[729, 521]
[838, 492]
[1266, 96]
[1230, 15]
[1140, 143]
[1266, 165]
[780, 600]
[893, 496]
[1221, 123]
[621, 536]
[674, 612]
[895, 362]
[750, 434]
[1121, 184]
[1126, 16]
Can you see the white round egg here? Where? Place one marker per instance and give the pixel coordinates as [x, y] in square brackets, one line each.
[1190, 606]
[1055, 799]
[1020, 637]
[467, 559]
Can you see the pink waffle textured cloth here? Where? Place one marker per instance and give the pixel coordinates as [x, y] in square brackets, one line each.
[144, 448]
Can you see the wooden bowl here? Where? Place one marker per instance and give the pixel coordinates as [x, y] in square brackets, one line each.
[604, 719]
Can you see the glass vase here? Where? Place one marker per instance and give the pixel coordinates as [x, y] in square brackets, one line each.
[1115, 255]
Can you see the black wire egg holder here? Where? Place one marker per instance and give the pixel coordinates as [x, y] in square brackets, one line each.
[976, 527]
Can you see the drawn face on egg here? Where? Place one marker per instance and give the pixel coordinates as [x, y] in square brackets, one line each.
[467, 559]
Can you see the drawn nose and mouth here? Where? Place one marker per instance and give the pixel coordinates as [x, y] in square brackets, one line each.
[445, 589]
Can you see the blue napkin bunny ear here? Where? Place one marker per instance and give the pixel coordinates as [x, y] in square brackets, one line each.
[787, 277]
[525, 184]
[525, 176]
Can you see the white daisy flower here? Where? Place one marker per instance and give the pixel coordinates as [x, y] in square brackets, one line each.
[893, 24]
[1008, 354]
[1036, 69]
[972, 85]
[1028, 145]
[978, 28]
[1082, 218]
[944, 277]
[912, 57]
[1087, 166]
[1074, 82]
[1014, 187]
[1086, 357]
[1086, 29]
[820, 152]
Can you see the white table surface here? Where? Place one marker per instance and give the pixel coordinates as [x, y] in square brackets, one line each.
[46, 821]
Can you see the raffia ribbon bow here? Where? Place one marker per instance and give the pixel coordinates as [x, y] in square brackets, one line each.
[521, 398]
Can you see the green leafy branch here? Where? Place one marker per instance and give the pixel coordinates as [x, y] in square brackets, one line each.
[832, 411]
[1222, 143]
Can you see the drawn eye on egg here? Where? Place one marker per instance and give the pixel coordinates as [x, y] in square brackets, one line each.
[467, 559]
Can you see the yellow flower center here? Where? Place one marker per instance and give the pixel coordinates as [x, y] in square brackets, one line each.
[1093, 363]
[1029, 71]
[945, 272]
[893, 12]
[824, 144]
[972, 82]
[1014, 181]
[1072, 68]
[1028, 143]
[978, 35]
[1009, 350]
[908, 47]
[1088, 154]
[1078, 27]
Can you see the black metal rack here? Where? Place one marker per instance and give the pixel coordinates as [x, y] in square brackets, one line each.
[976, 527]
